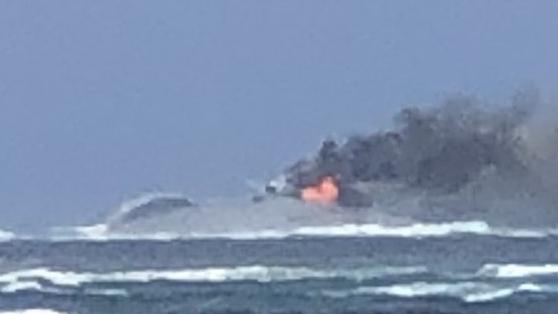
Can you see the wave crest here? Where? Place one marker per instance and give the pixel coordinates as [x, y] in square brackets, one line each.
[6, 236]
[21, 280]
[487, 284]
[517, 270]
[469, 292]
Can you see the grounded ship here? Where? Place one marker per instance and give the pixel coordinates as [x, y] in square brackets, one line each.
[454, 162]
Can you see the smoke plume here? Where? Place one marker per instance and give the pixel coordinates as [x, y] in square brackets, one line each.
[460, 147]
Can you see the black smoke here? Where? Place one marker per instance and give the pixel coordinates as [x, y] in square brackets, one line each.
[439, 150]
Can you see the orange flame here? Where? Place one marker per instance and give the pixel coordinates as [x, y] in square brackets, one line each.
[326, 192]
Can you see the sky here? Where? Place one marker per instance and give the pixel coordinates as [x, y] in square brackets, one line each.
[101, 101]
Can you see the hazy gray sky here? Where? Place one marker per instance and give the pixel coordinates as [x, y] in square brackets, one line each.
[104, 100]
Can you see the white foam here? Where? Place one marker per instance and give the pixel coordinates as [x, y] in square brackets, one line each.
[102, 232]
[418, 230]
[531, 287]
[421, 289]
[6, 236]
[56, 277]
[517, 270]
[99, 231]
[423, 230]
[17, 286]
[495, 294]
[107, 292]
[415, 230]
[214, 274]
[490, 295]
[470, 292]
[31, 285]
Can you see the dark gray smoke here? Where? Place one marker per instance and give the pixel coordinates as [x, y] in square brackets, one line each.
[456, 146]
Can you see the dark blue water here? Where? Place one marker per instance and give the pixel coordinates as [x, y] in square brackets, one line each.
[454, 274]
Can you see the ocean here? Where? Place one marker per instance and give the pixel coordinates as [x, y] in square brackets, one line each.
[441, 272]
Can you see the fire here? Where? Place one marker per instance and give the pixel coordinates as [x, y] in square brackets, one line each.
[326, 192]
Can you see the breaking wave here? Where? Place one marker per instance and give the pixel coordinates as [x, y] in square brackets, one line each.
[470, 292]
[419, 230]
[29, 279]
[502, 282]
[415, 230]
[489, 283]
[518, 271]
[6, 236]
